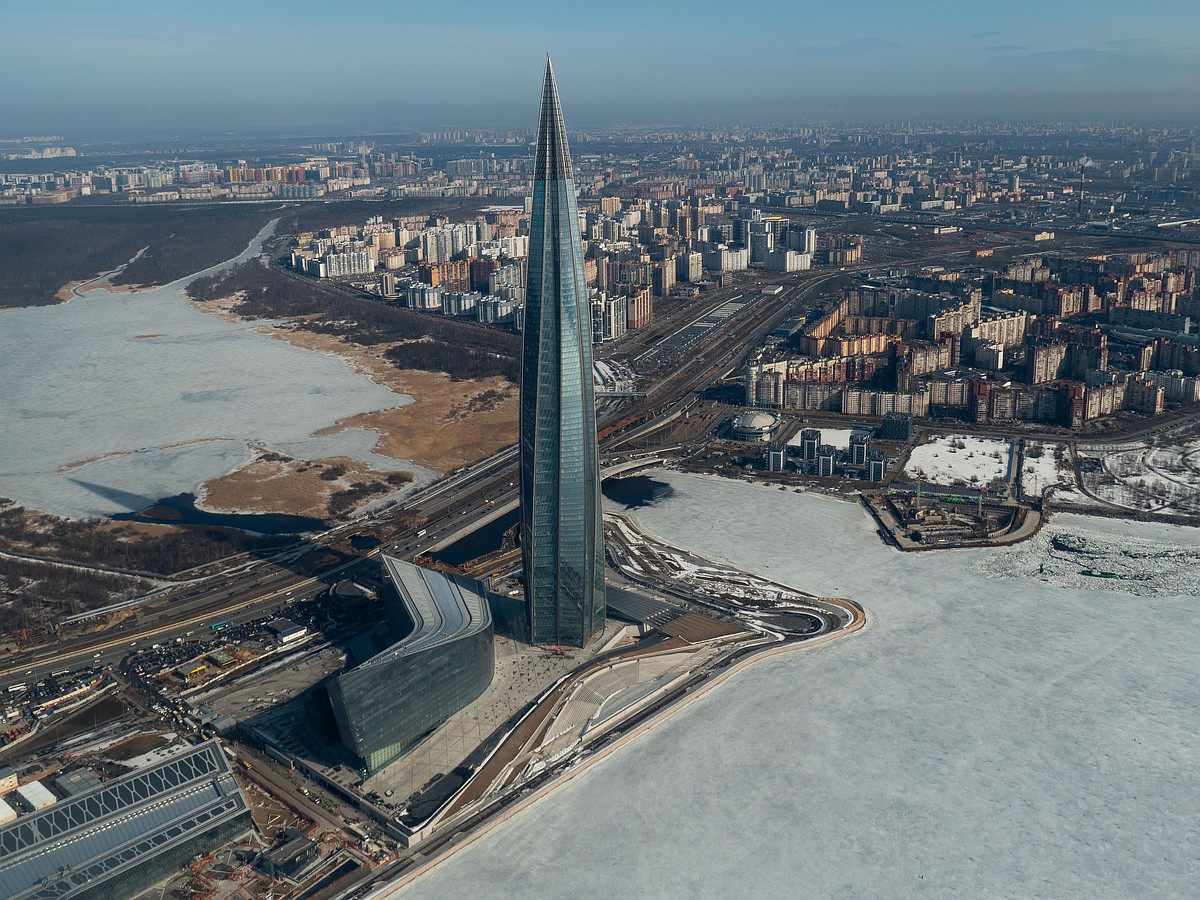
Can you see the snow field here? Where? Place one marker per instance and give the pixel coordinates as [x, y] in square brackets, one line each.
[1045, 465]
[984, 736]
[959, 459]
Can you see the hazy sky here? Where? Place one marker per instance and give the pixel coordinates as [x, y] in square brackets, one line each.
[73, 66]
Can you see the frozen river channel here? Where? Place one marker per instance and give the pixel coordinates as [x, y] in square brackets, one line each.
[985, 736]
[114, 400]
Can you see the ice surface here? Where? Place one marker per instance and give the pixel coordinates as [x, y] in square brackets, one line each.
[942, 462]
[983, 737]
[168, 396]
[1078, 551]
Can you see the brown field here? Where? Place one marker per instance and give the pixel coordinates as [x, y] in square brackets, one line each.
[222, 307]
[64, 292]
[449, 423]
[270, 483]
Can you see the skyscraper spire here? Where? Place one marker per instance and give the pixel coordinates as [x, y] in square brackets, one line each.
[562, 541]
[553, 160]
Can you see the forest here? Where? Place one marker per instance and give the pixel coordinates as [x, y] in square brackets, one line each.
[46, 247]
[123, 546]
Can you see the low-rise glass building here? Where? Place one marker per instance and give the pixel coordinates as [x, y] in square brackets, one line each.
[384, 706]
[119, 838]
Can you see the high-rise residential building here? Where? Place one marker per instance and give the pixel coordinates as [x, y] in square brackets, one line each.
[664, 277]
[562, 540]
[608, 318]
[802, 239]
[787, 261]
[690, 266]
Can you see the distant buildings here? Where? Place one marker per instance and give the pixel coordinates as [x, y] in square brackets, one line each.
[995, 347]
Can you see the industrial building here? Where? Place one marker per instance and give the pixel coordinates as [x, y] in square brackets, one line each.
[286, 631]
[291, 856]
[34, 796]
[80, 781]
[123, 836]
[384, 706]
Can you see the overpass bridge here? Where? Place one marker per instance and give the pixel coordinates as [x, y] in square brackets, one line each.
[501, 508]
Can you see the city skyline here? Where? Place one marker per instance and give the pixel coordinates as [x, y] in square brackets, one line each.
[776, 473]
[274, 67]
[562, 538]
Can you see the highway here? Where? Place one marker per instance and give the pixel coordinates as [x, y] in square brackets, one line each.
[255, 588]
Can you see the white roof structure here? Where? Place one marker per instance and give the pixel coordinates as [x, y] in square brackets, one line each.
[35, 795]
[757, 420]
[7, 814]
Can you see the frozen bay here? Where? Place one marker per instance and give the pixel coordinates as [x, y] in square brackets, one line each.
[983, 737]
[114, 400]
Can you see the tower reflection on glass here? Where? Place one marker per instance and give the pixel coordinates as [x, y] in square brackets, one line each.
[562, 537]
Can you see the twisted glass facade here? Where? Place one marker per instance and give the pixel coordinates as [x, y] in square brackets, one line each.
[386, 705]
[562, 538]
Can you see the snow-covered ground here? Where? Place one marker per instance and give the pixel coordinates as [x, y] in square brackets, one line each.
[1046, 465]
[834, 437]
[162, 397]
[983, 737]
[959, 458]
[612, 376]
[1158, 476]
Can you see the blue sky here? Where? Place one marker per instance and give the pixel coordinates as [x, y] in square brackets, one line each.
[73, 65]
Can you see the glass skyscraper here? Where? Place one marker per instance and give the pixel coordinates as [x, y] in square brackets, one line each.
[562, 538]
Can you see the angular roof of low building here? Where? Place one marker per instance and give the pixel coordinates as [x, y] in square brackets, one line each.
[443, 607]
[36, 794]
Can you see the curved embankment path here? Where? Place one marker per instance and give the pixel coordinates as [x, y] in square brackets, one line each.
[858, 620]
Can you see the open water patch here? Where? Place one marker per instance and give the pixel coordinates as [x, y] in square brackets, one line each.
[636, 491]
[181, 510]
[483, 540]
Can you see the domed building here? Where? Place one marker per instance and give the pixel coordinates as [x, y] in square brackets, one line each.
[755, 425]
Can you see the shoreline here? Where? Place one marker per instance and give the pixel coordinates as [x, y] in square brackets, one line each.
[859, 622]
[443, 426]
